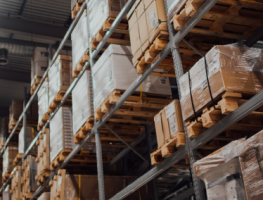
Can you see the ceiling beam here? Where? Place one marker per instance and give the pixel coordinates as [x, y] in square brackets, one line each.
[22, 7]
[33, 30]
[12, 75]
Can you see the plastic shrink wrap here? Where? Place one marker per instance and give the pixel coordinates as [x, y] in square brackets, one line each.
[100, 11]
[79, 39]
[8, 158]
[61, 135]
[59, 76]
[82, 101]
[44, 196]
[114, 71]
[30, 134]
[230, 68]
[6, 193]
[146, 21]
[3, 130]
[29, 174]
[70, 186]
[43, 100]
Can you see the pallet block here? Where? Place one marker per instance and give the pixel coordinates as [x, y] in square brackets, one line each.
[43, 121]
[76, 8]
[35, 84]
[54, 104]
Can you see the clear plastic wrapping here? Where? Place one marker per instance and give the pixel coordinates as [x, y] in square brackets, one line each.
[43, 100]
[30, 134]
[82, 101]
[80, 40]
[61, 135]
[114, 71]
[230, 68]
[59, 76]
[100, 11]
[8, 158]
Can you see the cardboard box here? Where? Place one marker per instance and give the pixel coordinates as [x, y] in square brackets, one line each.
[6, 193]
[43, 100]
[114, 71]
[146, 20]
[230, 68]
[16, 183]
[69, 187]
[59, 76]
[8, 158]
[82, 101]
[168, 122]
[30, 134]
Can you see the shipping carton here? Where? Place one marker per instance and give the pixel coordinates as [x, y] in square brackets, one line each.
[43, 100]
[8, 158]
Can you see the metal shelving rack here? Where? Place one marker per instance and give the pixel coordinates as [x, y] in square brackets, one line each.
[191, 146]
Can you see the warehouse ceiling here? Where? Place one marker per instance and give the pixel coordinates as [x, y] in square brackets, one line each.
[25, 24]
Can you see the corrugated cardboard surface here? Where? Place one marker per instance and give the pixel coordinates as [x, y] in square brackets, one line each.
[230, 68]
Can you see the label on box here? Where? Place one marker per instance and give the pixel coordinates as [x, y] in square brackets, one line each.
[170, 110]
[172, 122]
[153, 18]
[163, 80]
[157, 120]
[59, 180]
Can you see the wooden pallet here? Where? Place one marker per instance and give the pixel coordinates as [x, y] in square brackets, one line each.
[76, 8]
[83, 131]
[54, 104]
[83, 158]
[229, 102]
[35, 84]
[41, 178]
[5, 177]
[134, 110]
[81, 64]
[227, 19]
[119, 36]
[43, 121]
[13, 123]
[168, 148]
[17, 159]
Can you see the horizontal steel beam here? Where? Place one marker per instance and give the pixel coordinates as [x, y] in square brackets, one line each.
[34, 30]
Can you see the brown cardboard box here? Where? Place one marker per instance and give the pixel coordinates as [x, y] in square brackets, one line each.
[230, 68]
[70, 186]
[144, 26]
[168, 123]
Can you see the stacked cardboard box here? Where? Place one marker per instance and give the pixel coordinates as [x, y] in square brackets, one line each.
[82, 102]
[8, 158]
[110, 74]
[59, 77]
[230, 68]
[29, 172]
[16, 183]
[3, 130]
[147, 20]
[235, 171]
[43, 161]
[30, 134]
[70, 187]
[43, 102]
[80, 42]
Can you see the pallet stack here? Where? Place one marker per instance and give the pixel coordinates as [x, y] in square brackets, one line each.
[69, 186]
[16, 183]
[29, 184]
[8, 159]
[43, 158]
[59, 80]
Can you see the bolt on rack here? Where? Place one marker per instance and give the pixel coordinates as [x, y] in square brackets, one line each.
[191, 146]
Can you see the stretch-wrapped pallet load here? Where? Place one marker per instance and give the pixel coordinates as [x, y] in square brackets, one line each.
[6, 193]
[71, 186]
[3, 130]
[234, 171]
[230, 68]
[8, 158]
[30, 134]
[114, 71]
[43, 101]
[146, 20]
[44, 196]
[80, 40]
[29, 173]
[100, 11]
[61, 135]
[39, 63]
[82, 106]
[59, 76]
